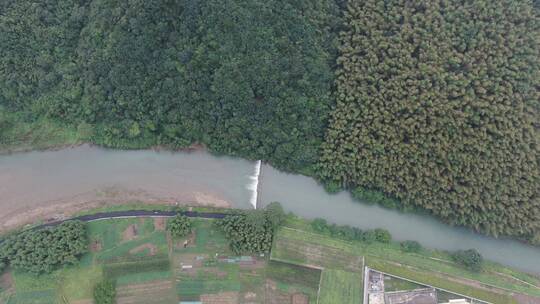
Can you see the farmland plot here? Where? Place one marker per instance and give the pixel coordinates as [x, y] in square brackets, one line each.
[339, 286]
[297, 247]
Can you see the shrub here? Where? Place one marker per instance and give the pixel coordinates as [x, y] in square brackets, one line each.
[470, 258]
[244, 77]
[410, 246]
[179, 226]
[320, 225]
[275, 214]
[382, 235]
[332, 187]
[105, 292]
[349, 233]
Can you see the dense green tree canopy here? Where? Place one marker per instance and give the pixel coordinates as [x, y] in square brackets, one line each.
[179, 226]
[436, 102]
[438, 105]
[244, 77]
[42, 251]
[252, 231]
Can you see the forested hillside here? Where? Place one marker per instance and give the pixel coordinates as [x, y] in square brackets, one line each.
[244, 77]
[438, 105]
[433, 103]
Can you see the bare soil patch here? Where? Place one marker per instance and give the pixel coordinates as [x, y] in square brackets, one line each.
[320, 256]
[85, 301]
[151, 247]
[160, 223]
[256, 264]
[300, 298]
[95, 246]
[525, 299]
[250, 296]
[130, 233]
[62, 208]
[229, 297]
[274, 296]
[6, 281]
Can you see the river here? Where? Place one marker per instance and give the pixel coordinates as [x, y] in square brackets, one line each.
[35, 181]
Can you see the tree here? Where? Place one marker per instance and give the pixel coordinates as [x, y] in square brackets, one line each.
[244, 77]
[252, 231]
[275, 214]
[437, 107]
[3, 266]
[469, 258]
[320, 225]
[44, 250]
[179, 226]
[410, 246]
[382, 235]
[105, 292]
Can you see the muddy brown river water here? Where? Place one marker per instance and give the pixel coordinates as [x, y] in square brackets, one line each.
[37, 185]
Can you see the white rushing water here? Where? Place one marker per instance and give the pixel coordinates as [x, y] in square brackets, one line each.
[254, 184]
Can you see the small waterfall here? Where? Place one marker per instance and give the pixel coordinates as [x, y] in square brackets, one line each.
[254, 183]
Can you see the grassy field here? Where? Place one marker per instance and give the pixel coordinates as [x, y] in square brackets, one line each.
[293, 278]
[339, 286]
[299, 243]
[341, 281]
[433, 264]
[299, 247]
[395, 284]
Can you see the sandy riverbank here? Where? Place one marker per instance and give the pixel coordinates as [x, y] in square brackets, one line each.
[13, 217]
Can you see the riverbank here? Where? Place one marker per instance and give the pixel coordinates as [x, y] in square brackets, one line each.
[61, 210]
[85, 173]
[48, 136]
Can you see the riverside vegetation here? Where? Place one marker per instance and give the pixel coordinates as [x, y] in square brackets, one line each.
[426, 104]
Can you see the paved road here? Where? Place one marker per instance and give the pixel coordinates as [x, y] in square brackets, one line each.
[134, 213]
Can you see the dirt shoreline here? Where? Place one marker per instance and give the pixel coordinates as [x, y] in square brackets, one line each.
[49, 211]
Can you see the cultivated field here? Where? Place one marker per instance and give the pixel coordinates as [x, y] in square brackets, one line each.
[304, 248]
[339, 286]
[149, 266]
[341, 281]
[496, 283]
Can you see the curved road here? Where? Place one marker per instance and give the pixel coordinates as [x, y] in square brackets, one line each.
[135, 213]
